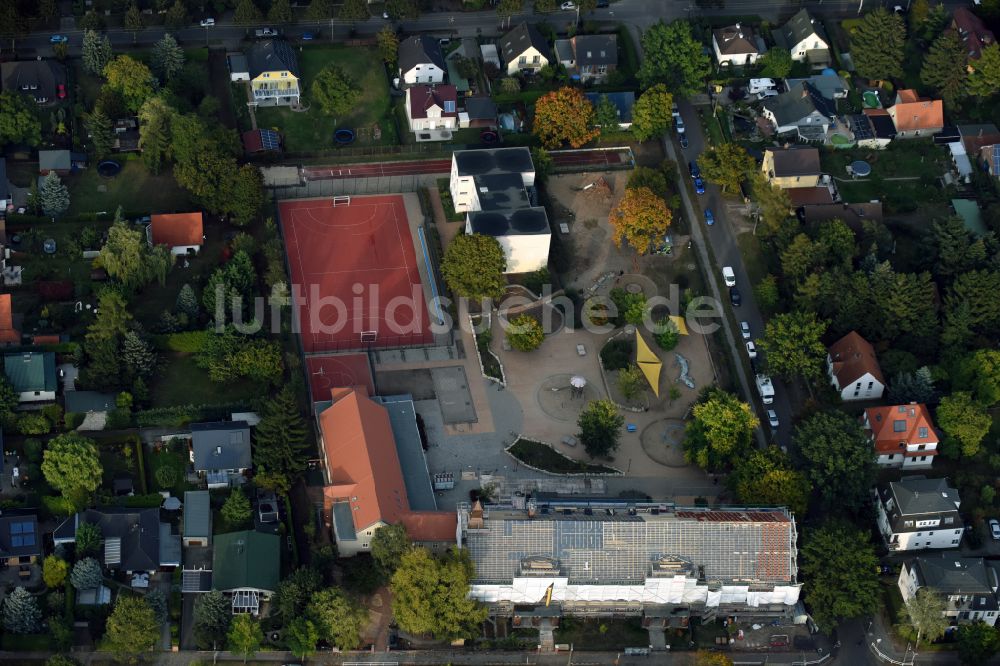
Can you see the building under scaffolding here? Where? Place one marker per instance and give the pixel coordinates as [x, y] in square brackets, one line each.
[611, 557]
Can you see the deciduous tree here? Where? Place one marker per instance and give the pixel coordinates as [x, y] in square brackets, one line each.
[402, 9]
[977, 642]
[154, 132]
[388, 44]
[773, 204]
[605, 114]
[984, 79]
[674, 57]
[838, 565]
[295, 591]
[430, 595]
[641, 218]
[131, 79]
[473, 267]
[301, 636]
[350, 10]
[132, 628]
[280, 12]
[247, 195]
[564, 116]
[964, 420]
[653, 179]
[389, 544]
[96, 52]
[245, 636]
[212, 616]
[719, 431]
[88, 539]
[338, 619]
[19, 122]
[54, 571]
[651, 113]
[794, 345]
[631, 382]
[946, 68]
[177, 16]
[878, 44]
[71, 465]
[776, 63]
[924, 611]
[127, 257]
[839, 459]
[766, 477]
[600, 428]
[247, 13]
[727, 165]
[279, 442]
[524, 333]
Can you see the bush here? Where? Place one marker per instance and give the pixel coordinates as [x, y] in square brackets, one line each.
[669, 336]
[617, 355]
[57, 505]
[536, 281]
[525, 333]
[33, 423]
[191, 342]
[166, 477]
[33, 450]
[177, 416]
[151, 501]
[54, 413]
[73, 420]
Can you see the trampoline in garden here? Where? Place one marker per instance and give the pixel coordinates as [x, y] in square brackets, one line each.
[840, 141]
[109, 168]
[871, 99]
[49, 246]
[489, 136]
[343, 136]
[860, 169]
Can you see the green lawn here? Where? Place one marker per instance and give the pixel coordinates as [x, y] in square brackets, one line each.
[915, 159]
[164, 458]
[601, 634]
[544, 457]
[311, 131]
[182, 382]
[134, 189]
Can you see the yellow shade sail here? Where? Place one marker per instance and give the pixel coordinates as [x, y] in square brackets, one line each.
[649, 363]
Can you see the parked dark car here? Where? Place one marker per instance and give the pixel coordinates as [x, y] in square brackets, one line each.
[734, 297]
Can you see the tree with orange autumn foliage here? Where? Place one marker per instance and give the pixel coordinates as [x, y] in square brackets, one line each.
[642, 218]
[564, 116]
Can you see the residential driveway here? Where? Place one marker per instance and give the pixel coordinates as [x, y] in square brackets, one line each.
[721, 238]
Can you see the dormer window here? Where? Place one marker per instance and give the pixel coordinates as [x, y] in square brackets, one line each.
[922, 432]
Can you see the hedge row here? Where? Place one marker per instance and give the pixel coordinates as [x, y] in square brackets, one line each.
[150, 501]
[179, 416]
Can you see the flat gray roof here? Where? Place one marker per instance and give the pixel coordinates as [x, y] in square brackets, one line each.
[344, 521]
[519, 222]
[197, 514]
[416, 477]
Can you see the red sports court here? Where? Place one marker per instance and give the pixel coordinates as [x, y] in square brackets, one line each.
[327, 372]
[357, 255]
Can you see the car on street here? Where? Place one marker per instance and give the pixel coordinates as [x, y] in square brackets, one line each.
[61, 91]
[307, 37]
[745, 330]
[694, 170]
[568, 6]
[995, 528]
[699, 186]
[729, 276]
[207, 23]
[683, 140]
[266, 32]
[709, 218]
[751, 349]
[679, 124]
[772, 418]
[58, 39]
[735, 297]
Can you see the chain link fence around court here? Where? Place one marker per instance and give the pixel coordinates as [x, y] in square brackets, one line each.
[357, 186]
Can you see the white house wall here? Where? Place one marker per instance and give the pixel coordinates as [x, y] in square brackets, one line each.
[526, 253]
[423, 73]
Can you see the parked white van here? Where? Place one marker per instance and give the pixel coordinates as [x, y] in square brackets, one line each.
[759, 85]
[729, 276]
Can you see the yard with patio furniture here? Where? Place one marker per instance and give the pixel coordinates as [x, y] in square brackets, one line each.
[311, 130]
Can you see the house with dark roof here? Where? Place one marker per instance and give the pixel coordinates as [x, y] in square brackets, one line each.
[432, 111]
[968, 584]
[804, 37]
[478, 112]
[246, 566]
[133, 540]
[916, 116]
[794, 167]
[181, 232]
[972, 31]
[853, 369]
[902, 435]
[20, 539]
[976, 136]
[915, 513]
[86, 402]
[872, 128]
[9, 335]
[197, 519]
[220, 452]
[588, 57]
[852, 214]
[735, 45]
[524, 49]
[40, 79]
[495, 188]
[32, 375]
[60, 161]
[364, 443]
[420, 61]
[239, 68]
[261, 141]
[801, 110]
[274, 75]
[622, 101]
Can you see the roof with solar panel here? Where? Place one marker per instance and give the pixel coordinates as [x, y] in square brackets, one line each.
[19, 536]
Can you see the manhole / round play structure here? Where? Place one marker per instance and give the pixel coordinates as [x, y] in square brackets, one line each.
[489, 136]
[109, 168]
[49, 246]
[344, 136]
[861, 169]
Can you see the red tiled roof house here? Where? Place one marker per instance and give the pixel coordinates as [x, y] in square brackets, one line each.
[972, 32]
[432, 108]
[916, 116]
[903, 435]
[854, 370]
[8, 334]
[182, 232]
[365, 486]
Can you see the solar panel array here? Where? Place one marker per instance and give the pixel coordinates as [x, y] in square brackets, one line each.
[862, 128]
[269, 140]
[996, 156]
[22, 534]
